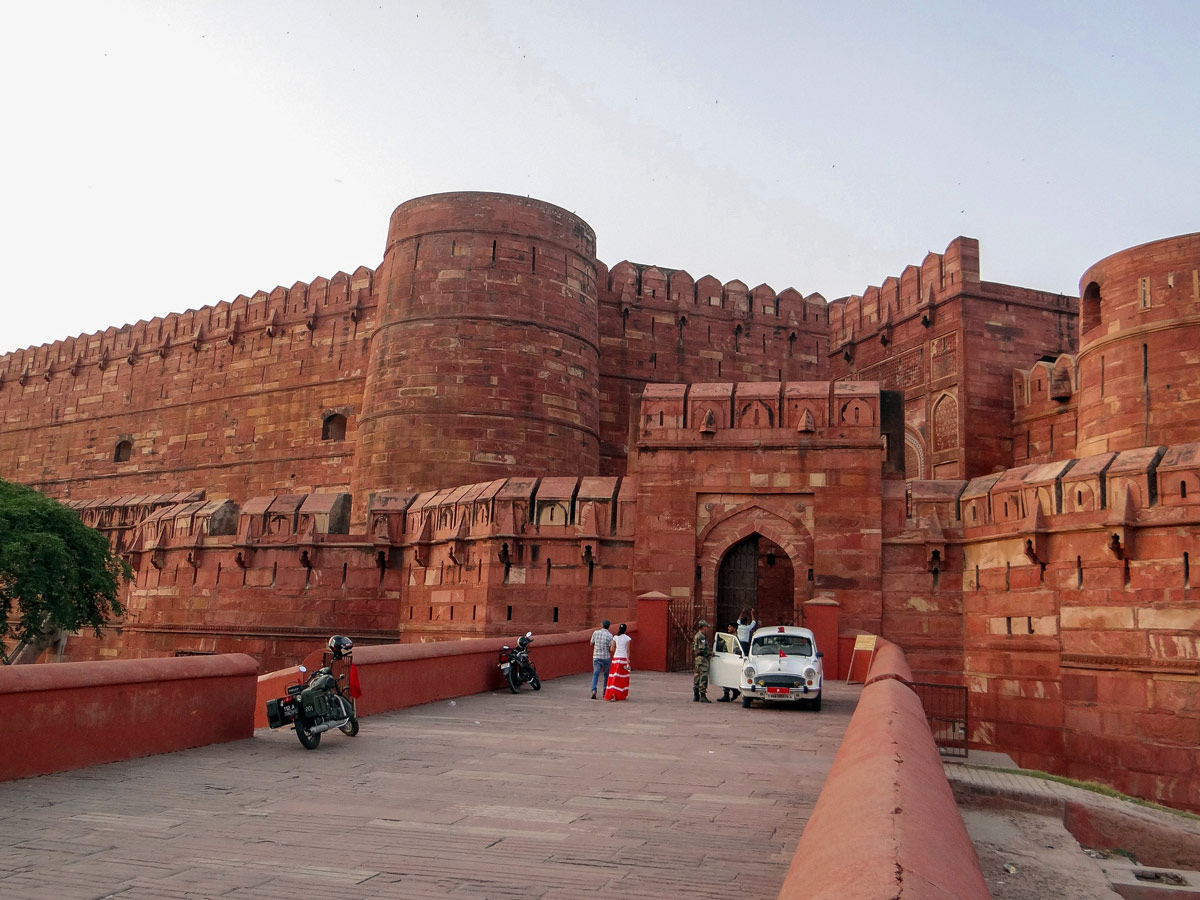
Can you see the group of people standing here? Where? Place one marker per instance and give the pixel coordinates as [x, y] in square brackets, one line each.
[610, 658]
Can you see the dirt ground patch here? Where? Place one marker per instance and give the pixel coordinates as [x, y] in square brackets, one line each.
[1029, 855]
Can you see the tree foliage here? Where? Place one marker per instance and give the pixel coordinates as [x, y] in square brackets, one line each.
[56, 574]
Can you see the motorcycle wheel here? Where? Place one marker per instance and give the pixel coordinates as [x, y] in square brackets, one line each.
[514, 680]
[307, 738]
[350, 729]
[534, 681]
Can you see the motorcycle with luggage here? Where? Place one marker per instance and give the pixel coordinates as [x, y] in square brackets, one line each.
[321, 701]
[516, 666]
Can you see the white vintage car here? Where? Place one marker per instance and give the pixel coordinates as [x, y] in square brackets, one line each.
[784, 665]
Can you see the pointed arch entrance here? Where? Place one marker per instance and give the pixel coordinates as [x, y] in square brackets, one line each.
[752, 553]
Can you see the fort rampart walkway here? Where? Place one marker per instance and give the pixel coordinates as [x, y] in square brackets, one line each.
[538, 795]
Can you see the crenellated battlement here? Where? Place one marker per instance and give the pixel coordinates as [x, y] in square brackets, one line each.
[1045, 410]
[1147, 484]
[230, 322]
[633, 284]
[468, 560]
[915, 292]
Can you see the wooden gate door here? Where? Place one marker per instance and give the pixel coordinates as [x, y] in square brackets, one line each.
[737, 582]
[681, 626]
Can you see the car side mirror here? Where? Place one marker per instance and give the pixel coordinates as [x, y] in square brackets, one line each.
[820, 654]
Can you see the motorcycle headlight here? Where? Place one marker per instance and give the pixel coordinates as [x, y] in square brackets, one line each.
[810, 674]
[748, 673]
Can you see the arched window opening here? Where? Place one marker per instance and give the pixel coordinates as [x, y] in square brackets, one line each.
[334, 427]
[122, 451]
[1089, 312]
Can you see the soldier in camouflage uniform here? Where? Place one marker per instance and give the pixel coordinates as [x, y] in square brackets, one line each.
[701, 654]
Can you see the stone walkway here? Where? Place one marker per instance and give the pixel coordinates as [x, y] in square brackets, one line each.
[538, 795]
[987, 780]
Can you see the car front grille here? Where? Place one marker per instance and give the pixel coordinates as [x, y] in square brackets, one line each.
[777, 680]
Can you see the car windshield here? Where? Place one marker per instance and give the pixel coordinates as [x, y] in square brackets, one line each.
[788, 644]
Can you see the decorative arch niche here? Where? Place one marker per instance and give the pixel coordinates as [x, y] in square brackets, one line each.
[791, 543]
[945, 423]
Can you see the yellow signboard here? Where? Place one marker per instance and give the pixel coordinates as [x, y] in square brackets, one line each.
[865, 642]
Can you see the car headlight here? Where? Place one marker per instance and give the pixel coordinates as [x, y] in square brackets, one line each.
[748, 673]
[810, 674]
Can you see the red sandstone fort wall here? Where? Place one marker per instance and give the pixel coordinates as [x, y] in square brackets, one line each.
[948, 341]
[1059, 590]
[275, 577]
[663, 326]
[233, 397]
[485, 362]
[1045, 411]
[799, 464]
[1081, 647]
[1140, 327]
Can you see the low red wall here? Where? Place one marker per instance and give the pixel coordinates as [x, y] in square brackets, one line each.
[889, 662]
[395, 676]
[70, 715]
[886, 824]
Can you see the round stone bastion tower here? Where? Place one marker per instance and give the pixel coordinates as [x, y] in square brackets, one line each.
[485, 361]
[1138, 363]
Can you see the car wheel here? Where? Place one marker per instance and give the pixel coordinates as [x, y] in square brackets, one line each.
[816, 703]
[746, 701]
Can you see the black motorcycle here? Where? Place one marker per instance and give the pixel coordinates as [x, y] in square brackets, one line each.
[517, 667]
[319, 702]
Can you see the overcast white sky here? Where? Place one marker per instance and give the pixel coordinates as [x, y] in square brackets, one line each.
[161, 156]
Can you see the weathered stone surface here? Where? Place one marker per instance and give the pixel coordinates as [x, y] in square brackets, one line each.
[493, 430]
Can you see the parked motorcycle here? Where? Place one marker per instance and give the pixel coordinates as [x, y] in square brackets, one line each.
[517, 667]
[320, 702]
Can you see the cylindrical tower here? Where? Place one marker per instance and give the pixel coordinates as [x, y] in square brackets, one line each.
[1139, 329]
[485, 362]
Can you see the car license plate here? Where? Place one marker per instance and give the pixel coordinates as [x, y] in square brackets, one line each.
[778, 690]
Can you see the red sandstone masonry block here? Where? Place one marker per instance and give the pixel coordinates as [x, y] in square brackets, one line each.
[1122, 690]
[1117, 643]
[1079, 687]
[1170, 729]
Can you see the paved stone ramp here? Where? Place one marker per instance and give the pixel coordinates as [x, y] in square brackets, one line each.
[538, 795]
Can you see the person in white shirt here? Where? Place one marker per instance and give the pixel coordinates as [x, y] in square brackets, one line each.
[746, 624]
[618, 676]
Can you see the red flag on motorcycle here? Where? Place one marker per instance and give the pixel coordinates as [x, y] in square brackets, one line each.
[355, 687]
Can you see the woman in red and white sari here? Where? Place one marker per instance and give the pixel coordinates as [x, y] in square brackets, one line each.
[618, 673]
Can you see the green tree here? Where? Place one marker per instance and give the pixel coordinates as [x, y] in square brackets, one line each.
[57, 575]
